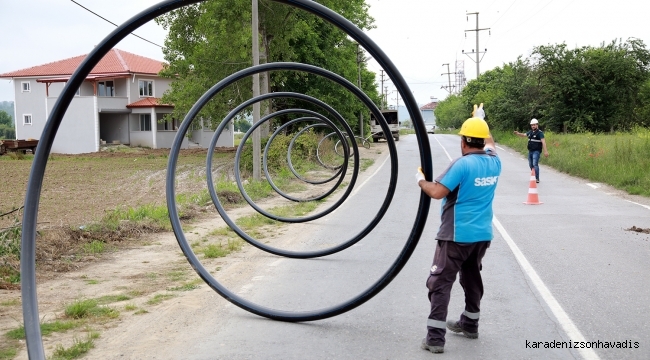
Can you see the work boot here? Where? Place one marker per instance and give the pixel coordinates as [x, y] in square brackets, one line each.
[433, 348]
[455, 327]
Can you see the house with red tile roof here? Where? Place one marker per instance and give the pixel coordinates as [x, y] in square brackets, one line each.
[118, 103]
[429, 116]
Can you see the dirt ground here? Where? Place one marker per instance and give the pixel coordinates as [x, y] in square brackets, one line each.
[142, 279]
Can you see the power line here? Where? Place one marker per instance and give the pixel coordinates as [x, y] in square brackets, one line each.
[494, 23]
[530, 17]
[555, 18]
[110, 22]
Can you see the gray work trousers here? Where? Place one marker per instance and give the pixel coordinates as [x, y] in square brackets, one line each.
[449, 259]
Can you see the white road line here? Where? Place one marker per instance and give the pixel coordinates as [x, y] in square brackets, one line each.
[562, 317]
[645, 206]
[593, 186]
[370, 177]
[443, 148]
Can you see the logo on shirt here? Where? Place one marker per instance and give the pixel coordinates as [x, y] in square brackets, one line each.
[433, 268]
[486, 181]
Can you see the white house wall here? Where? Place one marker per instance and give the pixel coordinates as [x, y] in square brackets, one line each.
[429, 117]
[160, 85]
[166, 139]
[86, 89]
[121, 88]
[139, 138]
[32, 102]
[226, 139]
[78, 132]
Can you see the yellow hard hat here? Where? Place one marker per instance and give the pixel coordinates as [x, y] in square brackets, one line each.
[475, 128]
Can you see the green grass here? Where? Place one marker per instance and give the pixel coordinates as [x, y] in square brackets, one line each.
[159, 298]
[621, 160]
[365, 164]
[77, 350]
[87, 308]
[12, 302]
[108, 299]
[94, 247]
[10, 239]
[194, 284]
[8, 353]
[177, 275]
[46, 329]
[9, 274]
[155, 214]
[130, 307]
[253, 225]
[212, 251]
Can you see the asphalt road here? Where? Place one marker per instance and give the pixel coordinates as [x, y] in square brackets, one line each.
[564, 270]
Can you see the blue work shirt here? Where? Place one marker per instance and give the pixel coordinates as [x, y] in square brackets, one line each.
[467, 209]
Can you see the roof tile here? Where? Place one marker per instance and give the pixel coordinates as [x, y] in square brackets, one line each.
[430, 106]
[115, 61]
[148, 102]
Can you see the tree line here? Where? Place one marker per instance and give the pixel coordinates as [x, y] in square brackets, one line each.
[207, 42]
[587, 89]
[7, 130]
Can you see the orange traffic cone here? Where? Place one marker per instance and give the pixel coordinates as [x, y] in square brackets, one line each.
[533, 198]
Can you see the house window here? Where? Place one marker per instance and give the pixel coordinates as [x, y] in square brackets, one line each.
[105, 88]
[146, 87]
[170, 125]
[27, 119]
[26, 86]
[145, 122]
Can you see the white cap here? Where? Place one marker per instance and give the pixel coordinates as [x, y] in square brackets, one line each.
[534, 121]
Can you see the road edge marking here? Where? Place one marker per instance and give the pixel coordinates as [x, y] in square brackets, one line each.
[635, 203]
[370, 177]
[560, 315]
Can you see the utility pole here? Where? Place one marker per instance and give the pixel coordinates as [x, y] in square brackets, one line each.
[359, 80]
[256, 92]
[396, 97]
[478, 52]
[382, 89]
[449, 87]
[386, 97]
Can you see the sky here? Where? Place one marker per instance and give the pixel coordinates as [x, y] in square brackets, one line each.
[419, 36]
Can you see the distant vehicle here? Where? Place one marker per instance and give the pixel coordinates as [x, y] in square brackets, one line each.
[18, 146]
[393, 125]
[430, 128]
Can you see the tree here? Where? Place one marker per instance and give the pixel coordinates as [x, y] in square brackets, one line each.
[451, 112]
[7, 130]
[242, 125]
[6, 119]
[592, 89]
[211, 40]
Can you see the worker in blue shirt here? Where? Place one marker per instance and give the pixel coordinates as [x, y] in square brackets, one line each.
[467, 188]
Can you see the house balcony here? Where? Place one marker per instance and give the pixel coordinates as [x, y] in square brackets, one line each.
[113, 104]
